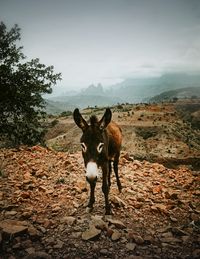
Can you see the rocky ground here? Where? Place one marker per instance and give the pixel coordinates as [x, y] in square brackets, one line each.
[42, 209]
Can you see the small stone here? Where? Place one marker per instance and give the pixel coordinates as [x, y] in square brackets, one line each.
[56, 209]
[99, 223]
[10, 213]
[118, 224]
[173, 219]
[130, 246]
[42, 229]
[25, 195]
[59, 244]
[69, 220]
[179, 232]
[33, 232]
[13, 227]
[30, 250]
[91, 233]
[135, 238]
[116, 235]
[109, 232]
[118, 202]
[171, 240]
[103, 251]
[36, 255]
[196, 253]
[1, 196]
[26, 214]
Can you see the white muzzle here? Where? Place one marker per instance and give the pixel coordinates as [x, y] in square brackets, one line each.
[92, 171]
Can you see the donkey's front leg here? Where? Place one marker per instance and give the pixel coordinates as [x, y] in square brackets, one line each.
[92, 198]
[106, 188]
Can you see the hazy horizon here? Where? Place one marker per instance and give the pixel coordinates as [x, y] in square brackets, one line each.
[105, 42]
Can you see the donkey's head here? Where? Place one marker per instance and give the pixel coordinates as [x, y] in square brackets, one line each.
[93, 142]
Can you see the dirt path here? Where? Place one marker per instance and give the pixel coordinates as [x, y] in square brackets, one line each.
[42, 209]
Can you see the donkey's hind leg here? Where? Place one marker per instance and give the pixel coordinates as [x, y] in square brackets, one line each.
[116, 162]
[109, 172]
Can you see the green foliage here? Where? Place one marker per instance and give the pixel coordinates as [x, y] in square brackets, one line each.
[54, 123]
[66, 113]
[21, 87]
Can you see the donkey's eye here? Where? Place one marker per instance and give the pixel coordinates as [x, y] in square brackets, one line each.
[84, 147]
[100, 147]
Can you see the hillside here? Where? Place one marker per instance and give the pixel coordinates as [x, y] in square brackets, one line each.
[189, 92]
[155, 132]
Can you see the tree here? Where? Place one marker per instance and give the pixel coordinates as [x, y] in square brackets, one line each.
[21, 87]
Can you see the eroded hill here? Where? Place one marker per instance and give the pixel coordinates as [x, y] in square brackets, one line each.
[155, 132]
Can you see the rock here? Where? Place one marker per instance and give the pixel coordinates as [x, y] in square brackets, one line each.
[118, 224]
[103, 251]
[179, 232]
[59, 244]
[25, 195]
[30, 250]
[115, 235]
[109, 232]
[56, 209]
[69, 220]
[196, 253]
[1, 196]
[98, 222]
[13, 227]
[173, 219]
[42, 229]
[10, 213]
[135, 257]
[91, 233]
[33, 232]
[130, 246]
[156, 189]
[135, 238]
[26, 214]
[171, 240]
[159, 207]
[38, 255]
[118, 202]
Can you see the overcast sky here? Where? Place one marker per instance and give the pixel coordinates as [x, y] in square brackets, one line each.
[106, 41]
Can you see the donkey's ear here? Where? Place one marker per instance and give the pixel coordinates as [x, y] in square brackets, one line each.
[103, 123]
[80, 122]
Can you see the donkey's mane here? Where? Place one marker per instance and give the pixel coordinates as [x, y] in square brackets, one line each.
[93, 120]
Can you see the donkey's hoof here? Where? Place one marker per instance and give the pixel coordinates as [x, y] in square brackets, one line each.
[89, 210]
[120, 188]
[109, 211]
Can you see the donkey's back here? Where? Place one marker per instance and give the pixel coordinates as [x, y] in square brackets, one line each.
[114, 133]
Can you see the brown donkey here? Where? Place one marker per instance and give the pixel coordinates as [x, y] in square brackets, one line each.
[101, 144]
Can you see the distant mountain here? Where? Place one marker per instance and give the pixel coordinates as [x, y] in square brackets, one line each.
[132, 90]
[189, 92]
[93, 90]
[138, 90]
[56, 107]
